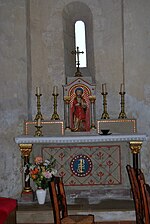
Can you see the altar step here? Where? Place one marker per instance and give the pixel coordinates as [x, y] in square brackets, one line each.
[108, 211]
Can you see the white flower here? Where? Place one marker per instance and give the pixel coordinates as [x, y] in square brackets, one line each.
[46, 162]
[53, 172]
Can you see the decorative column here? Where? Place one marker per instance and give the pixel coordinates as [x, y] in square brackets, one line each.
[135, 147]
[67, 114]
[26, 149]
[92, 100]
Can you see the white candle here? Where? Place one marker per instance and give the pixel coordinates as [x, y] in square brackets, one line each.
[38, 91]
[39, 122]
[104, 89]
[55, 90]
[122, 88]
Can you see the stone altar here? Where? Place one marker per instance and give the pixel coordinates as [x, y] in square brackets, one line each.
[126, 147]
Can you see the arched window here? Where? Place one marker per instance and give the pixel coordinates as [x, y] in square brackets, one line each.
[80, 41]
[74, 13]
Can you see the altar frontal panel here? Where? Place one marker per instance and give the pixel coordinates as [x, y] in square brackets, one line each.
[87, 165]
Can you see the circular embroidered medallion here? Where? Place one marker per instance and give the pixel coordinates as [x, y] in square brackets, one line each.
[81, 165]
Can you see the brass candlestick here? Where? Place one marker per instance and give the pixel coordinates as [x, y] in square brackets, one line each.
[92, 100]
[122, 114]
[105, 114]
[38, 115]
[67, 115]
[38, 131]
[38, 126]
[55, 115]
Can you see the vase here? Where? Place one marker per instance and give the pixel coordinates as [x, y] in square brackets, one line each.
[41, 195]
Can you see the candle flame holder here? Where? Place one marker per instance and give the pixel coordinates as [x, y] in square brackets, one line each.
[105, 114]
[39, 114]
[122, 114]
[55, 115]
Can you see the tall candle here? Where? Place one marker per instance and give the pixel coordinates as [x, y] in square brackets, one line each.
[104, 89]
[55, 90]
[38, 91]
[122, 88]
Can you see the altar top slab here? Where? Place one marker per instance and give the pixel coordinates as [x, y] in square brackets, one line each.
[26, 139]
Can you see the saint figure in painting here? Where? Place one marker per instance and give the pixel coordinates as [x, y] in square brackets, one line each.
[79, 111]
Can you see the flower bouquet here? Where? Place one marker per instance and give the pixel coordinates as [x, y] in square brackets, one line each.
[41, 172]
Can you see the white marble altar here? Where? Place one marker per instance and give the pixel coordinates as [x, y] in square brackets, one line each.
[80, 139]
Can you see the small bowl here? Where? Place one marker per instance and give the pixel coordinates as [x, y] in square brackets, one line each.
[105, 131]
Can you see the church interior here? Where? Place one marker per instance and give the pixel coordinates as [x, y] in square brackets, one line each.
[79, 96]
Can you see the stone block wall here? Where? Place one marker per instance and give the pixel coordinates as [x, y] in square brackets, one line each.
[32, 54]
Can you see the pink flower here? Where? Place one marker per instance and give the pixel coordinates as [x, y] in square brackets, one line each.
[38, 160]
[47, 174]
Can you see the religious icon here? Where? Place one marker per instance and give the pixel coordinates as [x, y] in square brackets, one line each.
[81, 165]
[79, 111]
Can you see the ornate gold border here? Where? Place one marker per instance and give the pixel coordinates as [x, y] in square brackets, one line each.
[26, 123]
[116, 121]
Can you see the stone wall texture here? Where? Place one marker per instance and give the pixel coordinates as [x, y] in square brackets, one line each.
[32, 54]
